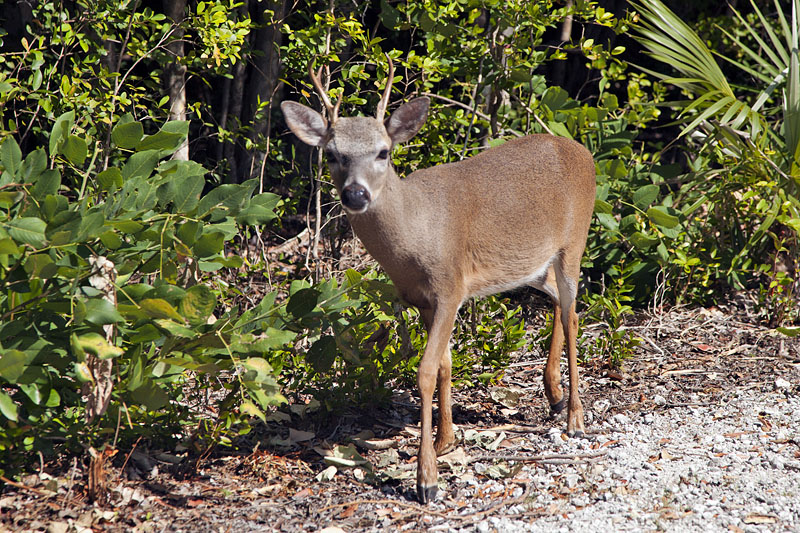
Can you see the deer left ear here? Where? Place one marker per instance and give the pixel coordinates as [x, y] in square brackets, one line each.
[309, 126]
[407, 120]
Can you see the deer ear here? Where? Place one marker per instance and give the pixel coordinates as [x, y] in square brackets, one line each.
[406, 121]
[309, 126]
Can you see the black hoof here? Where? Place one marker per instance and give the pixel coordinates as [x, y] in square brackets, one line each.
[426, 493]
[558, 407]
[577, 434]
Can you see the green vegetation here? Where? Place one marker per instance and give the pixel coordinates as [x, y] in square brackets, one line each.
[146, 170]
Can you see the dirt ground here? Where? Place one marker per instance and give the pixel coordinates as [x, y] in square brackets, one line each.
[357, 473]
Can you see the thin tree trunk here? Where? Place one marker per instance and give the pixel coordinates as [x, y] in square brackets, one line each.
[262, 83]
[560, 67]
[176, 71]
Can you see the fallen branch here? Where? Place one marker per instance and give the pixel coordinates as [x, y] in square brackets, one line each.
[557, 458]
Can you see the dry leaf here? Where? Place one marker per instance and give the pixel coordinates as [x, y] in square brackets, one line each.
[349, 511]
[328, 474]
[506, 396]
[759, 519]
[295, 435]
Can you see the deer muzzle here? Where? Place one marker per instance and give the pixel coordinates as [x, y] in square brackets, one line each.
[355, 197]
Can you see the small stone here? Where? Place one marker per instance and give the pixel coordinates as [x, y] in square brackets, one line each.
[571, 480]
[621, 419]
[782, 385]
[659, 400]
[601, 406]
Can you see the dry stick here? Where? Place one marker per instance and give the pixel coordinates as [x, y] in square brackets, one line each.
[40, 492]
[556, 458]
[415, 506]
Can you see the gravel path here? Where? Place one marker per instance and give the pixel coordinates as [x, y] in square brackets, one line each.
[728, 466]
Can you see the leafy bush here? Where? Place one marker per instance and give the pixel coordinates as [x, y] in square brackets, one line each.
[111, 273]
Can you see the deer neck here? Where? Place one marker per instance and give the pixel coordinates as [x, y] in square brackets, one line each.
[389, 228]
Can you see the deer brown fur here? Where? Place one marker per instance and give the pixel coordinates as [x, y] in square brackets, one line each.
[517, 214]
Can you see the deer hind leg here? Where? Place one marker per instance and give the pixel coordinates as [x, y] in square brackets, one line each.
[567, 270]
[433, 368]
[552, 372]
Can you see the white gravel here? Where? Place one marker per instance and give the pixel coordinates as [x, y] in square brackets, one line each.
[733, 465]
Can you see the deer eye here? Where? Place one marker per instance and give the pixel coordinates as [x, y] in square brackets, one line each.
[383, 155]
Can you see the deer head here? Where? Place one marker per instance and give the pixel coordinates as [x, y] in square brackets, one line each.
[358, 149]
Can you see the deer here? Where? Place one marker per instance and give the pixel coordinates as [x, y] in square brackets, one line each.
[514, 215]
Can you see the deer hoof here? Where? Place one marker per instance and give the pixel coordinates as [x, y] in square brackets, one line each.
[558, 407]
[426, 493]
[575, 434]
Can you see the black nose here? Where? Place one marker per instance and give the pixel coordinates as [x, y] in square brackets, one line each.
[355, 197]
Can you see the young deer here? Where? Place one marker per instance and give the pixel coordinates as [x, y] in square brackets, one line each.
[517, 214]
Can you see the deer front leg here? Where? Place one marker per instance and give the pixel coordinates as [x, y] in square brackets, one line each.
[440, 326]
[445, 438]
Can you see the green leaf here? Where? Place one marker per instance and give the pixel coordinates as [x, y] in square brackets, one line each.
[258, 364]
[302, 302]
[660, 216]
[198, 304]
[150, 395]
[12, 364]
[255, 215]
[182, 192]
[159, 308]
[98, 345]
[100, 311]
[209, 244]
[48, 183]
[260, 210]
[181, 127]
[322, 354]
[140, 164]
[249, 408]
[10, 155]
[82, 372]
[225, 200]
[28, 230]
[189, 231]
[8, 407]
[75, 149]
[110, 179]
[111, 240]
[643, 242]
[40, 266]
[162, 140]
[644, 196]
[34, 164]
[789, 331]
[601, 206]
[8, 247]
[127, 135]
[61, 129]
[174, 328]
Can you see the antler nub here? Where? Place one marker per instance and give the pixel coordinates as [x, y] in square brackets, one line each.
[384, 103]
[333, 110]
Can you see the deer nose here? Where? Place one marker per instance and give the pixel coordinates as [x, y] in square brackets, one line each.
[355, 197]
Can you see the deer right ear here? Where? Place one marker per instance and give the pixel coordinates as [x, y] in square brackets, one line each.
[406, 121]
[309, 126]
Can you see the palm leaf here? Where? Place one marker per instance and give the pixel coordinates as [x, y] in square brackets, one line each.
[670, 40]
